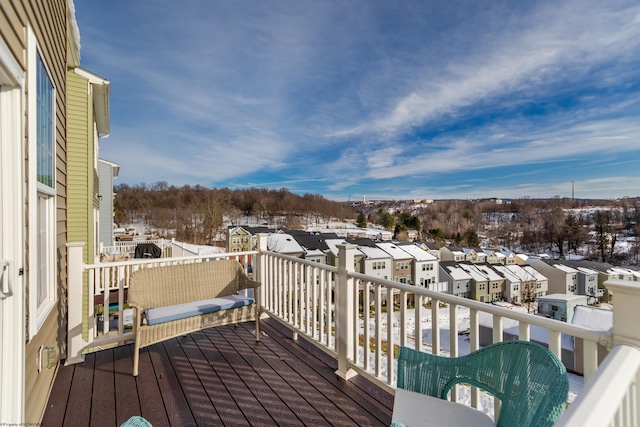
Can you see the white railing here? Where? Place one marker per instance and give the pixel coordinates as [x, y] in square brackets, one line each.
[349, 314]
[97, 309]
[129, 246]
[352, 317]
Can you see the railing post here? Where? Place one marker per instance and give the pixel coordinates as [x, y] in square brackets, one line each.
[345, 311]
[626, 300]
[260, 268]
[75, 343]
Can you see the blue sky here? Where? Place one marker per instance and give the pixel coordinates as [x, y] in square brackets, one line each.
[388, 99]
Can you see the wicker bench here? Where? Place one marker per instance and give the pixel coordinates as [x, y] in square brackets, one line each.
[178, 299]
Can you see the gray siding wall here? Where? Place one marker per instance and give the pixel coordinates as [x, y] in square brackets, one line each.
[105, 176]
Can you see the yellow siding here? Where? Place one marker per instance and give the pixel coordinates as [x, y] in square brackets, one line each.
[48, 21]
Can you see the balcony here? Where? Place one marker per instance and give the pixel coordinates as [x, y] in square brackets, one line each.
[327, 349]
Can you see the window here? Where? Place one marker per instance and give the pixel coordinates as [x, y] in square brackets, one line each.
[427, 267]
[42, 188]
[44, 125]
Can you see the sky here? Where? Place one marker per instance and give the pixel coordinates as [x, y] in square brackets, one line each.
[379, 99]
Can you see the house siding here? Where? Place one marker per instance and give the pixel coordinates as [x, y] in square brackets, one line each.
[106, 204]
[81, 176]
[48, 19]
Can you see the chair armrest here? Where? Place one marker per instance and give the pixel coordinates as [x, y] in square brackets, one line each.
[139, 310]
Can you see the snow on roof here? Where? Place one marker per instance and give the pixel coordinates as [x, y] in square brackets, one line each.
[419, 254]
[333, 246]
[373, 253]
[535, 273]
[200, 249]
[393, 250]
[587, 270]
[313, 253]
[475, 274]
[457, 273]
[489, 272]
[511, 276]
[283, 243]
[593, 318]
[565, 268]
[563, 297]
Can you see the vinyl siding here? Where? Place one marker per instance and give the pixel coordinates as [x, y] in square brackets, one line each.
[80, 174]
[48, 21]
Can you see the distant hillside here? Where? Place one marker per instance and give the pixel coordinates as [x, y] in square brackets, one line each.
[198, 214]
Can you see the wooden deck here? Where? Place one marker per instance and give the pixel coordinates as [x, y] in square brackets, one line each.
[217, 377]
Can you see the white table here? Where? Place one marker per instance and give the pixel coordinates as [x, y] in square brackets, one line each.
[420, 410]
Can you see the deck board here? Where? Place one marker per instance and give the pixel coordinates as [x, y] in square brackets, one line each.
[219, 376]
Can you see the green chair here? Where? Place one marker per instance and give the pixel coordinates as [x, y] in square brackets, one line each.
[529, 380]
[136, 421]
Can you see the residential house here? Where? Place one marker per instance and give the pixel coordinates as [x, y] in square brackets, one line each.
[510, 257]
[377, 263]
[452, 253]
[497, 282]
[87, 122]
[284, 244]
[562, 278]
[239, 239]
[401, 263]
[460, 283]
[474, 256]
[493, 257]
[107, 172]
[480, 290]
[425, 266]
[541, 287]
[588, 284]
[513, 286]
[432, 248]
[560, 306]
[314, 245]
[38, 41]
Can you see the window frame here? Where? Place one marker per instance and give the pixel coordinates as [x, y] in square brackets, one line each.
[42, 198]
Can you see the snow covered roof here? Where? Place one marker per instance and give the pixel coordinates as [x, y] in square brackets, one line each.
[457, 273]
[333, 246]
[511, 276]
[393, 250]
[563, 297]
[491, 274]
[593, 318]
[475, 274]
[419, 254]
[535, 273]
[313, 253]
[586, 270]
[373, 253]
[283, 243]
[565, 268]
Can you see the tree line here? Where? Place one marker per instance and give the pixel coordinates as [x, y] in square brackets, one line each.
[196, 214]
[591, 228]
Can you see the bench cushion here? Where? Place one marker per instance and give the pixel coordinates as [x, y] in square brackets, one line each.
[180, 311]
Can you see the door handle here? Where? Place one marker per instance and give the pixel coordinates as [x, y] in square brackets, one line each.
[5, 266]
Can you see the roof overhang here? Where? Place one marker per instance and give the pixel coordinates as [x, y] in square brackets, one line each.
[100, 88]
[115, 168]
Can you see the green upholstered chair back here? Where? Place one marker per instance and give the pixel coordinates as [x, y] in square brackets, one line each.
[530, 380]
